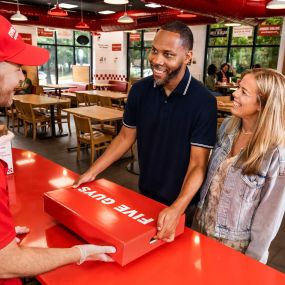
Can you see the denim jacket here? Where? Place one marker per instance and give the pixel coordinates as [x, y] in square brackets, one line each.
[251, 207]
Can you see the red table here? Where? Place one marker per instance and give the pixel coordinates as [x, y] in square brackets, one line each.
[191, 259]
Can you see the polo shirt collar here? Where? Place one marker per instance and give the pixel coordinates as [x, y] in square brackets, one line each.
[183, 85]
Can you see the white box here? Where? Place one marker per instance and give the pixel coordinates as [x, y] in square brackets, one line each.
[6, 155]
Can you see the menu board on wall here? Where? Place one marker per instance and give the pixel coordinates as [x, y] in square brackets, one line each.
[219, 32]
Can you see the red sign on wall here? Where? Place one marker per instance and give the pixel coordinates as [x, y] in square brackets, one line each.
[43, 33]
[269, 30]
[27, 38]
[135, 37]
[116, 47]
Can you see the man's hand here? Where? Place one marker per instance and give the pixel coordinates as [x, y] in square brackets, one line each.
[95, 252]
[167, 222]
[85, 177]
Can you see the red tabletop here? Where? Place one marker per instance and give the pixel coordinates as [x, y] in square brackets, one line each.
[191, 259]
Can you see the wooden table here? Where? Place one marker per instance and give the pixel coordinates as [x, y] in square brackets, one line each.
[98, 113]
[191, 259]
[41, 101]
[58, 87]
[224, 87]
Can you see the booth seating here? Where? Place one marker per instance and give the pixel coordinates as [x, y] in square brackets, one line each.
[119, 86]
[77, 87]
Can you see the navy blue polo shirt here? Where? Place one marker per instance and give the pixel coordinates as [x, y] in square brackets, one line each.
[166, 127]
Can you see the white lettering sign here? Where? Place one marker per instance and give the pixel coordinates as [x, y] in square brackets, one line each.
[124, 209]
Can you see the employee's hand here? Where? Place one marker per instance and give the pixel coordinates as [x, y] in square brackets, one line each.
[85, 177]
[95, 252]
[167, 222]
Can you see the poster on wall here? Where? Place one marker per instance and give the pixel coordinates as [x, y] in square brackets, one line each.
[27, 38]
[43, 33]
[218, 32]
[65, 34]
[242, 31]
[116, 47]
[269, 30]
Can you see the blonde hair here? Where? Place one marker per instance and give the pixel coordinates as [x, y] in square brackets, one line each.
[270, 126]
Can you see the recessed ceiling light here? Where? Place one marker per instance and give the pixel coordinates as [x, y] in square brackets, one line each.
[276, 4]
[153, 5]
[67, 6]
[106, 12]
[116, 2]
[232, 24]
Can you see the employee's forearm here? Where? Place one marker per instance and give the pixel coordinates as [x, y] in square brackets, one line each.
[34, 261]
[191, 185]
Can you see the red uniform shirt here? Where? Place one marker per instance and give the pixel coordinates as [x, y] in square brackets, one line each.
[7, 229]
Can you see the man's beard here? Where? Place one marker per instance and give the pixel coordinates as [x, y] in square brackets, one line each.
[170, 75]
[6, 97]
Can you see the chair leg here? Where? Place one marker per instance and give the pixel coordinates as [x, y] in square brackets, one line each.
[34, 131]
[8, 121]
[92, 153]
[25, 129]
[68, 123]
[78, 150]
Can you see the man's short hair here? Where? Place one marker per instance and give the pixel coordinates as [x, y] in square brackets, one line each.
[24, 72]
[183, 30]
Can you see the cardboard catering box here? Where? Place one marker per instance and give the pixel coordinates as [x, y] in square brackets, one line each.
[106, 213]
[6, 154]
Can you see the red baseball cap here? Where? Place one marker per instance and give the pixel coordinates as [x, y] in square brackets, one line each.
[13, 49]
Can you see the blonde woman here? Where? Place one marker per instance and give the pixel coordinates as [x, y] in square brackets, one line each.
[243, 197]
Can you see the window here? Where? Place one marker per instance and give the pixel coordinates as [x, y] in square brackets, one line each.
[244, 46]
[139, 45]
[66, 48]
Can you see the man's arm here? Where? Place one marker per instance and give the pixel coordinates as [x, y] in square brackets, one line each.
[120, 145]
[169, 217]
[19, 261]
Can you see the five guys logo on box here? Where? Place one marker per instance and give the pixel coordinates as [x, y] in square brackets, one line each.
[124, 209]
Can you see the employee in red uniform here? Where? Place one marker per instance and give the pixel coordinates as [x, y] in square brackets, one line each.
[17, 261]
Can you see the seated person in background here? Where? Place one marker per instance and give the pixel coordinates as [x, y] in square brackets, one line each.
[26, 86]
[225, 73]
[211, 79]
[242, 199]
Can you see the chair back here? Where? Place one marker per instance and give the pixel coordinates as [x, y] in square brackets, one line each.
[224, 99]
[83, 125]
[27, 111]
[92, 100]
[81, 99]
[105, 101]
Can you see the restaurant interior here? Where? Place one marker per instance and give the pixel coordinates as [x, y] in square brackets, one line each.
[98, 49]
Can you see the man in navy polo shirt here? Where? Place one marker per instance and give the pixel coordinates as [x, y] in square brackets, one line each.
[173, 117]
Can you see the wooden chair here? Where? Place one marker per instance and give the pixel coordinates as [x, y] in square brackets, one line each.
[86, 135]
[92, 100]
[11, 113]
[61, 116]
[30, 117]
[81, 100]
[20, 116]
